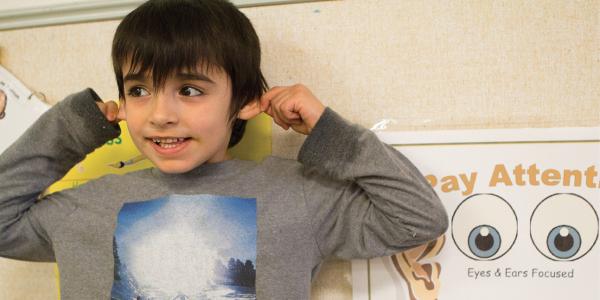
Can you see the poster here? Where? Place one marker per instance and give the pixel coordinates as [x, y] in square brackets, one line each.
[19, 108]
[523, 209]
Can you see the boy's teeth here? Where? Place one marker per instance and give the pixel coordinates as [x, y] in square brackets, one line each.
[167, 140]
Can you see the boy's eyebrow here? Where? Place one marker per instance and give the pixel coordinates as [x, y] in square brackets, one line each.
[194, 76]
[134, 77]
[181, 76]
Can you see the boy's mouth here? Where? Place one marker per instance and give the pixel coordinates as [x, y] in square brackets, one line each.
[168, 142]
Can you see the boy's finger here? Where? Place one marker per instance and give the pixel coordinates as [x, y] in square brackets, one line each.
[266, 98]
[288, 110]
[277, 109]
[289, 116]
[266, 109]
[284, 108]
[279, 103]
[112, 110]
[295, 121]
[277, 117]
[269, 111]
[279, 122]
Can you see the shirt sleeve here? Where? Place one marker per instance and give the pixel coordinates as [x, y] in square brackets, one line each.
[59, 139]
[365, 199]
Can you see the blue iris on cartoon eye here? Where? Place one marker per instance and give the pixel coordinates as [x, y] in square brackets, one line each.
[563, 241]
[484, 227]
[484, 241]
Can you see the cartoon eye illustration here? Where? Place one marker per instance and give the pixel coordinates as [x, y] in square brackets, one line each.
[484, 227]
[564, 227]
[2, 104]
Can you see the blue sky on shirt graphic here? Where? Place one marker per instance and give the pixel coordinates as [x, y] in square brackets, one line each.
[186, 247]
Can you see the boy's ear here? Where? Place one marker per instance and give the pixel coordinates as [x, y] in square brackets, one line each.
[121, 115]
[250, 110]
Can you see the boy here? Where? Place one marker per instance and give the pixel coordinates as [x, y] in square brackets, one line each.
[202, 225]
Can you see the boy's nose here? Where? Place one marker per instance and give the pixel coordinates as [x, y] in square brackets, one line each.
[164, 111]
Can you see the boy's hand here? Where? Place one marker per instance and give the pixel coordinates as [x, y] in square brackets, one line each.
[292, 106]
[110, 110]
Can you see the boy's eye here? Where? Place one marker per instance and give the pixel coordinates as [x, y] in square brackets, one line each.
[190, 91]
[138, 92]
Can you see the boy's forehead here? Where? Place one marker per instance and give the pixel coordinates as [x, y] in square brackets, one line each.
[204, 72]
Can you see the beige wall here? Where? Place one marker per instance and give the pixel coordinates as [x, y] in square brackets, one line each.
[439, 65]
[20, 4]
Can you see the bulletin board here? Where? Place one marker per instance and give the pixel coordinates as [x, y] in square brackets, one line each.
[423, 66]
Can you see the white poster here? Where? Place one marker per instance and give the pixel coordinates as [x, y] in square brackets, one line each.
[523, 207]
[19, 108]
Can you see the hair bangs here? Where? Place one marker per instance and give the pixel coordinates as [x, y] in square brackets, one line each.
[164, 46]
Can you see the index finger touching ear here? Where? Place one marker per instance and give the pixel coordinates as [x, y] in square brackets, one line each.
[266, 98]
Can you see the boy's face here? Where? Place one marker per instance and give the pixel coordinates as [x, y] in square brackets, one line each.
[182, 125]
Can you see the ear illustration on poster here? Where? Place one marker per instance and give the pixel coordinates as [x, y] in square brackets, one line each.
[422, 278]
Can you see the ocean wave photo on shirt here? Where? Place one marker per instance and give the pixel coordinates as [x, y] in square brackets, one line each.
[186, 247]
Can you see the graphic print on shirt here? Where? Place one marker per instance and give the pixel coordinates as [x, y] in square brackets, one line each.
[186, 247]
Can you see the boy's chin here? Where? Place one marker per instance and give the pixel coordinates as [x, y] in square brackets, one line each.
[174, 167]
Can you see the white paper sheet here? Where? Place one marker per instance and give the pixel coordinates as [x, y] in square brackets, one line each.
[18, 109]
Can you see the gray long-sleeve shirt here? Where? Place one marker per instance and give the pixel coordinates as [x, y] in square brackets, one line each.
[348, 195]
